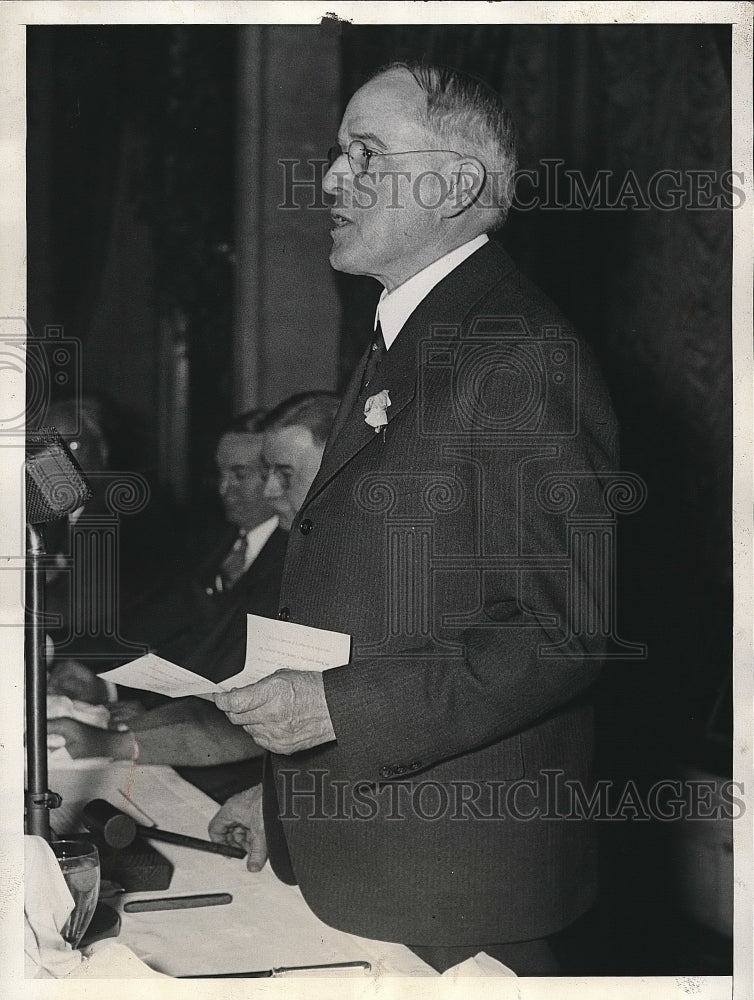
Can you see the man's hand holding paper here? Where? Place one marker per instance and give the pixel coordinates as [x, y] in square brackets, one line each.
[285, 712]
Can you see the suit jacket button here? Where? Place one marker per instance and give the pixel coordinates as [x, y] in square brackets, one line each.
[400, 769]
[306, 526]
[386, 772]
[284, 614]
[415, 765]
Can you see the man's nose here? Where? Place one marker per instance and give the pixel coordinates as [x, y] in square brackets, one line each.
[336, 173]
[272, 490]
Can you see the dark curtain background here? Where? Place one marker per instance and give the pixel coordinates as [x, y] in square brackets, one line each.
[650, 289]
[74, 116]
[131, 137]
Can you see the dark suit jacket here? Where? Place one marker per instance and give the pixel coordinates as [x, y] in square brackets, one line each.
[215, 646]
[442, 548]
[214, 642]
[186, 621]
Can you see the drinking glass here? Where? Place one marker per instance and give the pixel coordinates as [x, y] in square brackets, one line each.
[79, 863]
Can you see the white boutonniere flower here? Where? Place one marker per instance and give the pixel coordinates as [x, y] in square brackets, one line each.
[375, 410]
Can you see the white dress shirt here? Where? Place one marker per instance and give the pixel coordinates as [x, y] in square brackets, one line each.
[254, 540]
[257, 538]
[394, 308]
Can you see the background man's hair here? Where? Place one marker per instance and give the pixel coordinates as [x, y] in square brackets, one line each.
[469, 116]
[251, 422]
[313, 410]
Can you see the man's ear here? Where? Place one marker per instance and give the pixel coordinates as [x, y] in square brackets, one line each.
[466, 183]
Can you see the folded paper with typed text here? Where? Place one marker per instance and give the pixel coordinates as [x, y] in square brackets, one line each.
[274, 645]
[270, 645]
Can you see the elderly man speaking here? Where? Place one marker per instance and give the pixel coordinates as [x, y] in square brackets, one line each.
[418, 792]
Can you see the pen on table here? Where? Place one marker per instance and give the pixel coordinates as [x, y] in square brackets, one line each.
[282, 970]
[177, 902]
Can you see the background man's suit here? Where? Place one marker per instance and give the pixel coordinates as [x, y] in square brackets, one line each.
[210, 637]
[181, 614]
[213, 644]
[445, 685]
[187, 620]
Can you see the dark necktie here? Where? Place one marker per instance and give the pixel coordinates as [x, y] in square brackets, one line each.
[234, 564]
[376, 354]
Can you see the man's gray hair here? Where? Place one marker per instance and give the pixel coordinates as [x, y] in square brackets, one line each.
[313, 410]
[250, 422]
[469, 116]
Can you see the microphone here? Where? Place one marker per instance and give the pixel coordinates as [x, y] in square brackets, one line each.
[55, 487]
[55, 484]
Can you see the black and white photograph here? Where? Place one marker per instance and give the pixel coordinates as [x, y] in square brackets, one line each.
[377, 499]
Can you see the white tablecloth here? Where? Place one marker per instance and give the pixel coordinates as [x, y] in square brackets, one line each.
[267, 925]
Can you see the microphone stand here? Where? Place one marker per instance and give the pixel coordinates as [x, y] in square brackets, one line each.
[39, 799]
[55, 486]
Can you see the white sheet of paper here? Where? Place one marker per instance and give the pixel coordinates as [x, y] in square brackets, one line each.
[153, 673]
[270, 645]
[274, 645]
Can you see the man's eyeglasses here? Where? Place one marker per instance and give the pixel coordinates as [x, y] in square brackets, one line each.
[359, 156]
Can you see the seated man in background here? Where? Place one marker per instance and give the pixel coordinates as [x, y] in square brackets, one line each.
[189, 731]
[238, 566]
[197, 621]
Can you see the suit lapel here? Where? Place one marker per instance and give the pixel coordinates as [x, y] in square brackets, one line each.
[348, 402]
[351, 433]
[449, 302]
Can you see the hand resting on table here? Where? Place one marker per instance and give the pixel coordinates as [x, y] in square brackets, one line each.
[240, 824]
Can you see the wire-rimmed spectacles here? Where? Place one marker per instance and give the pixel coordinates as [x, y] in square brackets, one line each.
[360, 156]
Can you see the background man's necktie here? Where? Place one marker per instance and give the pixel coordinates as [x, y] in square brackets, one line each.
[376, 354]
[234, 564]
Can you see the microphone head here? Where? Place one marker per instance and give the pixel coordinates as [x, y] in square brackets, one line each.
[55, 484]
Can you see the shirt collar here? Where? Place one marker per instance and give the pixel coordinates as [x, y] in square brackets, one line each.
[394, 308]
[257, 538]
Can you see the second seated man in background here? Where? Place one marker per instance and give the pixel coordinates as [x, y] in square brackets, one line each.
[259, 474]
